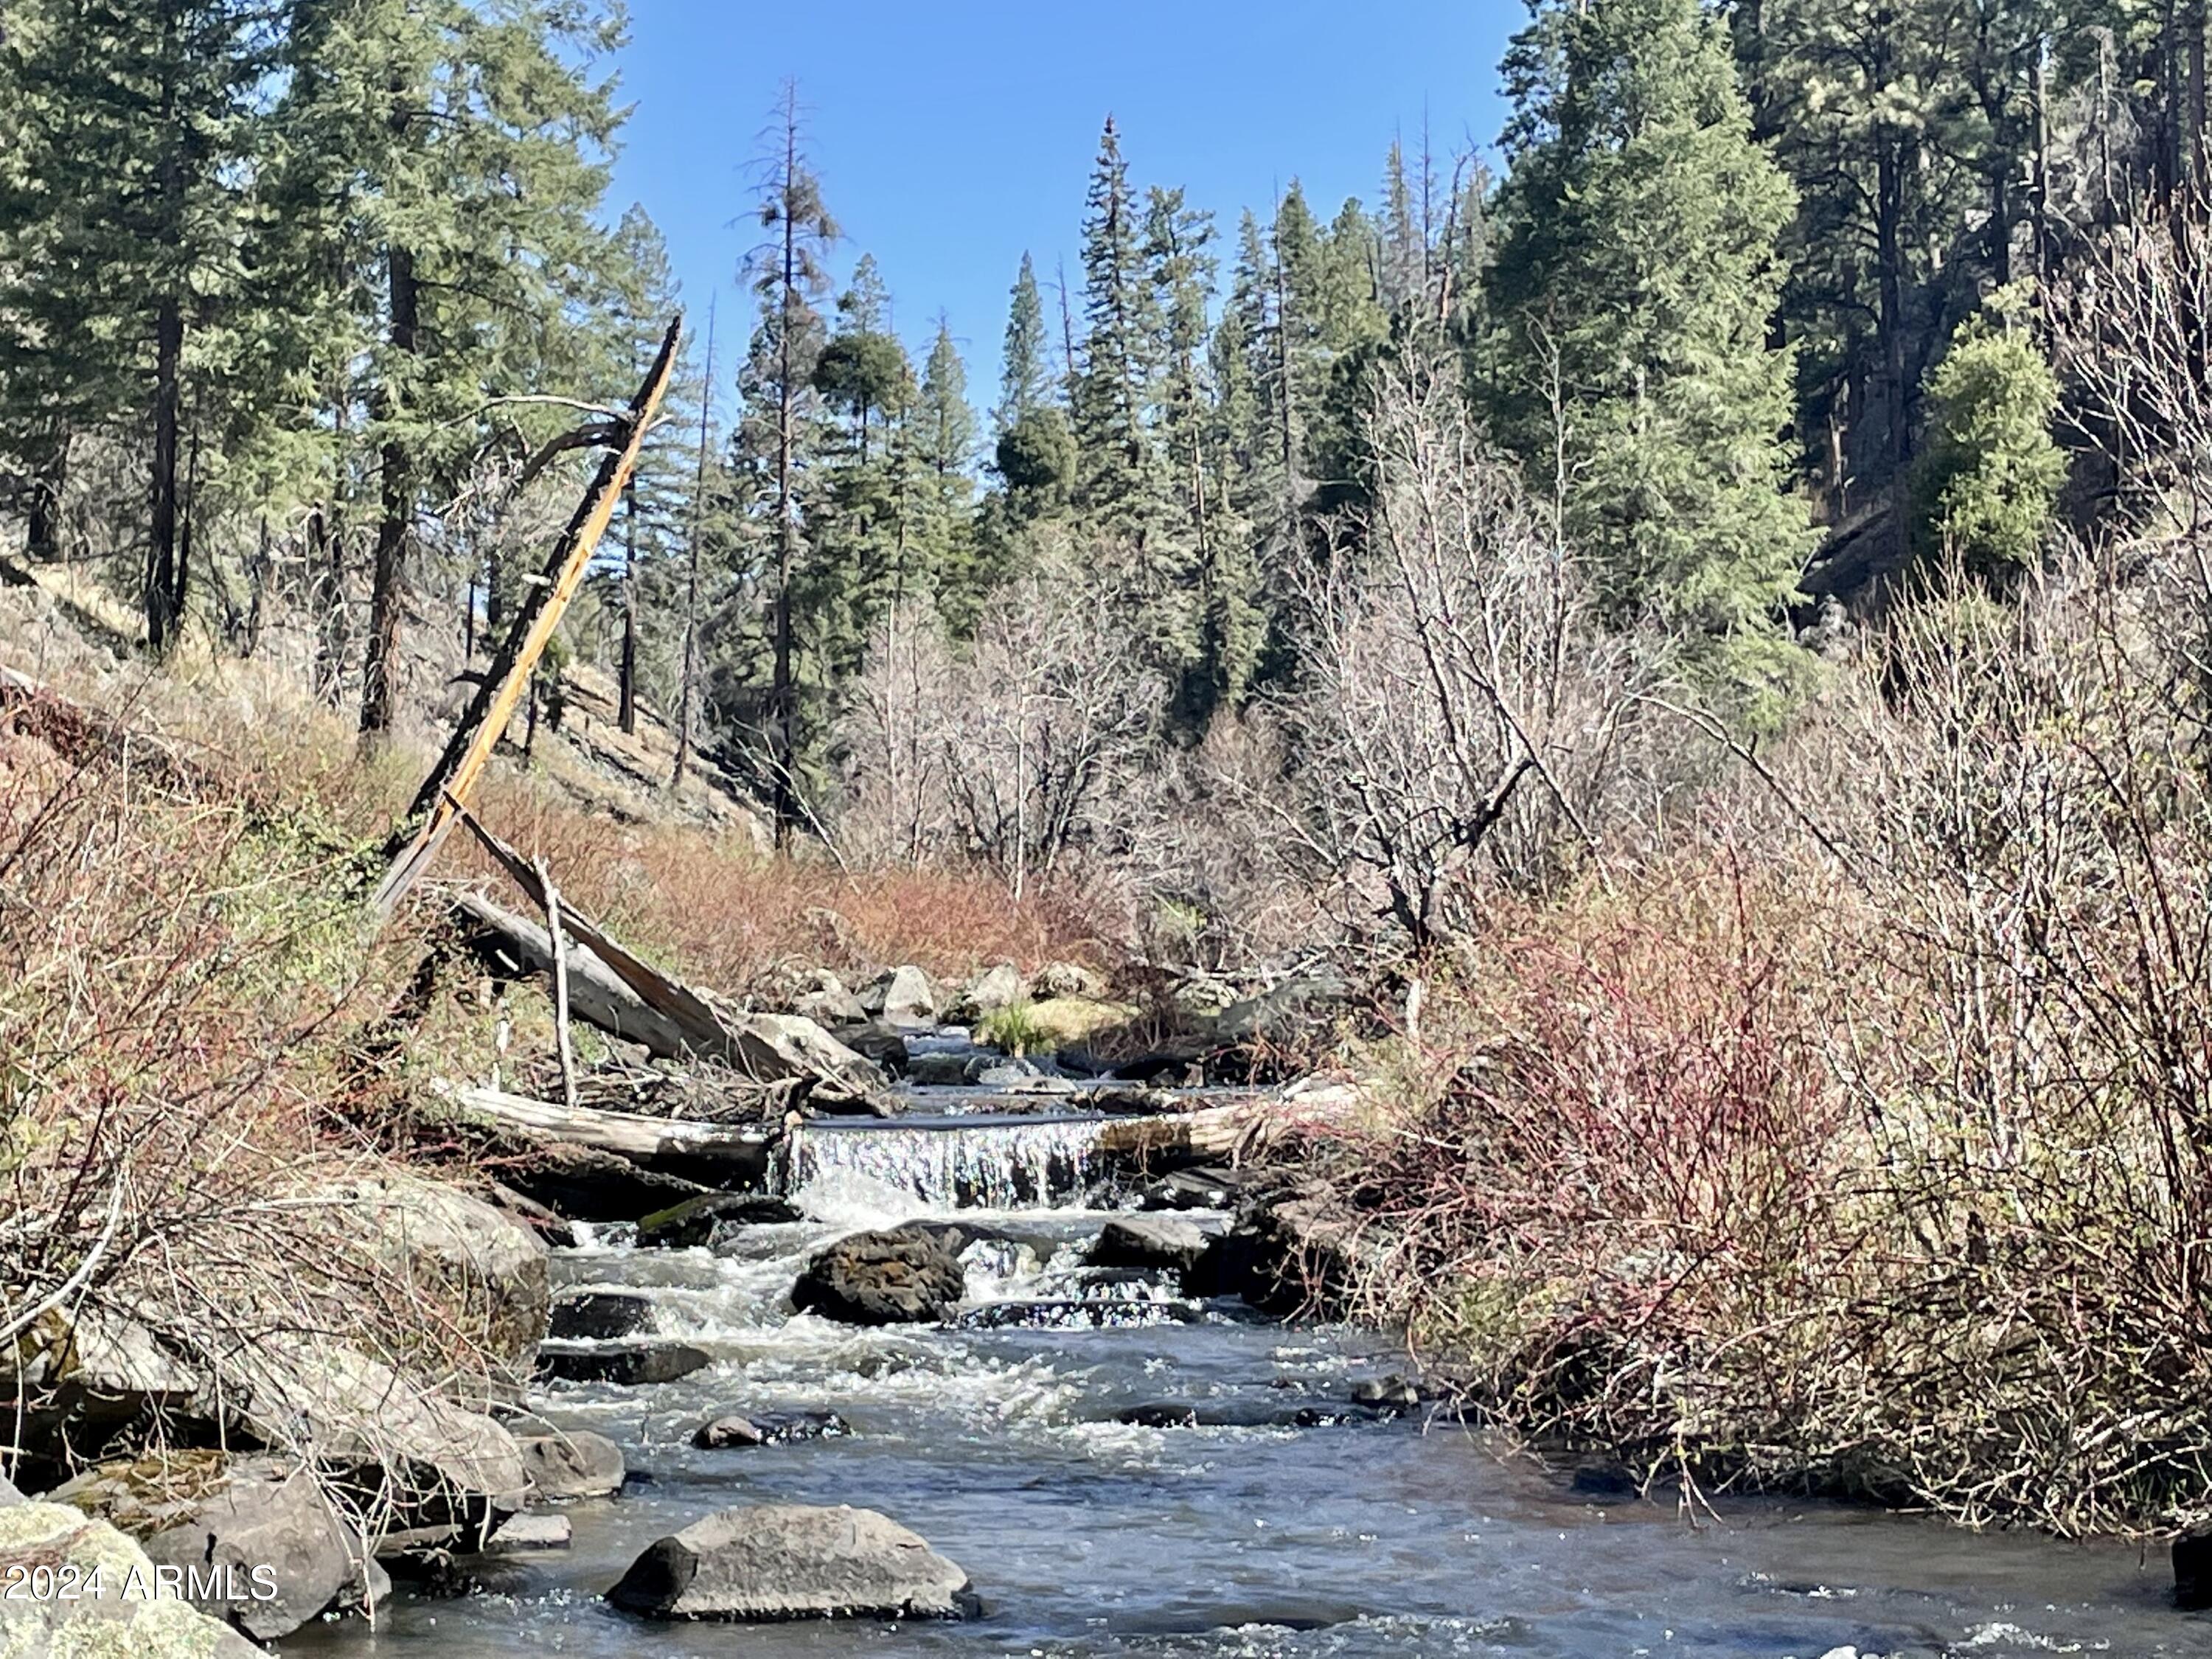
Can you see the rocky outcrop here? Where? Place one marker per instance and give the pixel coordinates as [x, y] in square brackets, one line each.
[1282, 1011]
[784, 1561]
[909, 1275]
[901, 996]
[572, 1465]
[1149, 1241]
[122, 1617]
[736, 1429]
[629, 1365]
[587, 1183]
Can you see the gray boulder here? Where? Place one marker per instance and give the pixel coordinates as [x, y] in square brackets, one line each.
[994, 988]
[457, 1251]
[903, 996]
[1149, 1241]
[781, 1561]
[940, 1068]
[1281, 1010]
[825, 1000]
[909, 1275]
[1068, 979]
[629, 1365]
[272, 1526]
[597, 1315]
[574, 1464]
[881, 1042]
[527, 1535]
[123, 1619]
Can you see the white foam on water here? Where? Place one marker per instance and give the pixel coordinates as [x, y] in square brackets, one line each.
[1047, 1163]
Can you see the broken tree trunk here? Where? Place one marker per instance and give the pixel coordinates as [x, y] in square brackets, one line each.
[766, 1047]
[454, 777]
[710, 1153]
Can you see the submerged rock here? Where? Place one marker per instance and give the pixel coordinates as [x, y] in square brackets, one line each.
[781, 1561]
[574, 1464]
[735, 1428]
[909, 1275]
[599, 1316]
[629, 1364]
[1149, 1241]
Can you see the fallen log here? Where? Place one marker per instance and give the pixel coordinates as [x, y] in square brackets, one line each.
[714, 1154]
[1234, 1132]
[766, 1047]
[454, 777]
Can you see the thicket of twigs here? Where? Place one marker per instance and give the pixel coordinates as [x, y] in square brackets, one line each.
[1864, 1142]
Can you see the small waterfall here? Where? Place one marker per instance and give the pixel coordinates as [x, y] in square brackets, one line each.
[946, 1166]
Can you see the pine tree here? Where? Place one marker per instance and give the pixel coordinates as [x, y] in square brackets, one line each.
[1025, 380]
[778, 434]
[1641, 250]
[122, 215]
[1118, 475]
[945, 443]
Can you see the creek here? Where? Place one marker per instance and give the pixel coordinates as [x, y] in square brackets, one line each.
[1000, 1437]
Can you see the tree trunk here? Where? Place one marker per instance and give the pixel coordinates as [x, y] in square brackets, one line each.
[387, 590]
[42, 528]
[783, 747]
[691, 574]
[1889, 248]
[627, 713]
[162, 594]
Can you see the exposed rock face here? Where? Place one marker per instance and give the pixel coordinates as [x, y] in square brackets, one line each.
[595, 1315]
[903, 996]
[794, 1561]
[576, 1464]
[86, 1373]
[994, 988]
[706, 1219]
[124, 1622]
[1149, 1241]
[460, 1252]
[735, 1428]
[269, 1516]
[630, 1365]
[909, 1275]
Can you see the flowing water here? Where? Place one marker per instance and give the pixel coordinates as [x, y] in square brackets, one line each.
[997, 1438]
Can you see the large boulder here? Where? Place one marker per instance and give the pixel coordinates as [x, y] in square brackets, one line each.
[1149, 1241]
[994, 988]
[629, 1365]
[599, 1316]
[436, 1466]
[824, 999]
[781, 1561]
[458, 1253]
[271, 1522]
[1069, 979]
[574, 1464]
[901, 996]
[80, 1376]
[1281, 1012]
[712, 1217]
[1285, 1255]
[117, 1614]
[909, 1275]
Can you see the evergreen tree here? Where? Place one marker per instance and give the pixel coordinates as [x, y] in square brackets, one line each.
[1641, 250]
[944, 443]
[123, 214]
[1118, 477]
[779, 432]
[1991, 475]
[1025, 382]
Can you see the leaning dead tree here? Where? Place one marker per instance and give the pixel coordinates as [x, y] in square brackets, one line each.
[445, 791]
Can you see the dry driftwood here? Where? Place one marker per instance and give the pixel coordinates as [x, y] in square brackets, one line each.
[454, 777]
[1231, 1133]
[765, 1047]
[716, 1155]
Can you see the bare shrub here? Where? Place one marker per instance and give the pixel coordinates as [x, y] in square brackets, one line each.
[1464, 717]
[1876, 1155]
[1015, 752]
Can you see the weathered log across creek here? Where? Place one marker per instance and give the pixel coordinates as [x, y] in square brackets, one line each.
[1123, 1466]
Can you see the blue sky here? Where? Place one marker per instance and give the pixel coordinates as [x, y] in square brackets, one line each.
[951, 134]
